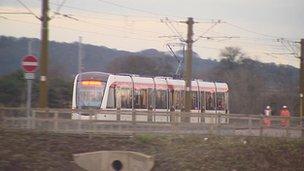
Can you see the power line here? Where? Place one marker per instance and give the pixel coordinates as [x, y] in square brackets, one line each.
[205, 32]
[90, 32]
[293, 48]
[282, 53]
[254, 43]
[251, 31]
[268, 37]
[111, 18]
[15, 13]
[172, 28]
[270, 54]
[115, 27]
[28, 9]
[217, 37]
[109, 26]
[112, 27]
[156, 15]
[136, 9]
[279, 56]
[130, 8]
[207, 47]
[287, 45]
[246, 37]
[3, 17]
[69, 16]
[99, 12]
[227, 36]
[58, 8]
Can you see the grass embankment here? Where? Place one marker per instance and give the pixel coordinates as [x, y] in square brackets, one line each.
[21, 150]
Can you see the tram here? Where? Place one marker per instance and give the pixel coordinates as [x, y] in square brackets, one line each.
[127, 92]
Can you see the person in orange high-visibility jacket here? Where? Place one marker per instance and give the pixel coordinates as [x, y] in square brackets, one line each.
[285, 116]
[267, 115]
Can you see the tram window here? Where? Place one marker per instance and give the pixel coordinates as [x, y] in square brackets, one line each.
[220, 98]
[90, 94]
[111, 98]
[161, 99]
[203, 101]
[182, 100]
[210, 101]
[151, 98]
[194, 104]
[124, 96]
[170, 99]
[178, 99]
[140, 99]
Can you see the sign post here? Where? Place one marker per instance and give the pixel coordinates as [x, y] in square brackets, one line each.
[29, 64]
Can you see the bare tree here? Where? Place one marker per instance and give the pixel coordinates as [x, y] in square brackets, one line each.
[232, 54]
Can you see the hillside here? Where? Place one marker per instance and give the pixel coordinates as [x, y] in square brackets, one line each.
[252, 84]
[65, 56]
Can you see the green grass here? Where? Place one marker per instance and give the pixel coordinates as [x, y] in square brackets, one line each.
[144, 138]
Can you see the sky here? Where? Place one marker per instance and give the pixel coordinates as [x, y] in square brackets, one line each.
[265, 30]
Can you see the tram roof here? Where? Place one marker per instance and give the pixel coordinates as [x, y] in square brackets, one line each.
[160, 80]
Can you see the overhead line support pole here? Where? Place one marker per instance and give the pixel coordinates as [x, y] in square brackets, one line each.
[302, 82]
[43, 90]
[188, 64]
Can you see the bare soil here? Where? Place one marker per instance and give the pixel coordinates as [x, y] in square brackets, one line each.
[24, 150]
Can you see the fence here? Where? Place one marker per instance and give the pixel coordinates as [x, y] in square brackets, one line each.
[128, 122]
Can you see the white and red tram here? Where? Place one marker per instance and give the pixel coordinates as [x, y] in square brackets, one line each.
[98, 90]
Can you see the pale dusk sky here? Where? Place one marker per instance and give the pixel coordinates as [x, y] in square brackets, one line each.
[135, 25]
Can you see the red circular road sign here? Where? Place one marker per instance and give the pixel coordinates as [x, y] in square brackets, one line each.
[29, 63]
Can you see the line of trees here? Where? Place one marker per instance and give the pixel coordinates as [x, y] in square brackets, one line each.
[13, 91]
[253, 85]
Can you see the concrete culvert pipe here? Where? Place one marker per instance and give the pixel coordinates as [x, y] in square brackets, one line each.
[114, 161]
[117, 165]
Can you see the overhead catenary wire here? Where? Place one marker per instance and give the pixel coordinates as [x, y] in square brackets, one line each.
[254, 32]
[57, 12]
[179, 61]
[206, 31]
[86, 31]
[265, 37]
[115, 27]
[288, 45]
[28, 9]
[73, 18]
[130, 8]
[15, 13]
[293, 48]
[137, 9]
[279, 56]
[112, 27]
[103, 12]
[274, 39]
[172, 28]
